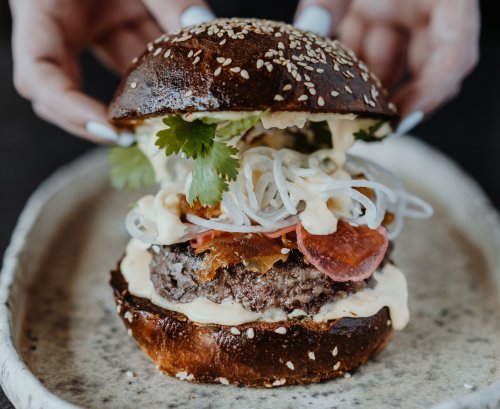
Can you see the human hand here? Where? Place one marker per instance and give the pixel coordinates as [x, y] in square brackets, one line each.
[420, 49]
[49, 35]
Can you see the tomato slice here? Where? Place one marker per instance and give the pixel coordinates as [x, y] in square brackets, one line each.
[352, 253]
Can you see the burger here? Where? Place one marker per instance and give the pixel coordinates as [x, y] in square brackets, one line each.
[264, 258]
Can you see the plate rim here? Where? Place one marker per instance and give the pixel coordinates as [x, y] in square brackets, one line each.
[16, 378]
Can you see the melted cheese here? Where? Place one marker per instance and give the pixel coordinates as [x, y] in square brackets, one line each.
[390, 291]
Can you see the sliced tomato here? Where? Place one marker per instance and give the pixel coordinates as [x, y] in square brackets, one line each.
[352, 253]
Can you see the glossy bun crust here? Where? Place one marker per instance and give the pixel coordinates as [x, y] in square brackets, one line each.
[252, 354]
[247, 65]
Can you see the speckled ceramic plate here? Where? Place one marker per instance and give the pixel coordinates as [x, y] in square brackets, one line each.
[62, 345]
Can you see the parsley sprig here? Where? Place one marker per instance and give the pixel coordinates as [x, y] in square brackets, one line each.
[204, 141]
[369, 135]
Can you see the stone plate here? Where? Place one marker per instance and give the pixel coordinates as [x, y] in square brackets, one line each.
[62, 345]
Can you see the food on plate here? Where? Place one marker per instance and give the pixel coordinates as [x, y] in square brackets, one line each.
[265, 257]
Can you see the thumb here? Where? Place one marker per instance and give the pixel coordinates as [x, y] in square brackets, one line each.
[172, 15]
[320, 16]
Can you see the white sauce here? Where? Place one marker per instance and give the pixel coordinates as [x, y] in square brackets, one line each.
[390, 291]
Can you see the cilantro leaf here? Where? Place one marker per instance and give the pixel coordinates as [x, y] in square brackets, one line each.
[206, 184]
[130, 168]
[189, 137]
[368, 135]
[235, 128]
[221, 158]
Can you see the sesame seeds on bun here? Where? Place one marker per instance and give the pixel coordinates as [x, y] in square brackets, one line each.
[247, 65]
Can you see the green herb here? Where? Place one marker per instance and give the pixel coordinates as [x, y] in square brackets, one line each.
[130, 168]
[192, 138]
[215, 164]
[368, 135]
[237, 127]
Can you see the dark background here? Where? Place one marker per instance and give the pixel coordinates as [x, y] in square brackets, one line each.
[467, 129]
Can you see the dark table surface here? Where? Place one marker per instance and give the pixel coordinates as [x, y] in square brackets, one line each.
[467, 129]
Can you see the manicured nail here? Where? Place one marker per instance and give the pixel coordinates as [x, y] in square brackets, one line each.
[125, 139]
[101, 131]
[409, 122]
[196, 15]
[316, 19]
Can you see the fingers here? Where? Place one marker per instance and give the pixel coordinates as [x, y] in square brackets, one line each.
[46, 72]
[320, 16]
[452, 53]
[384, 52]
[172, 15]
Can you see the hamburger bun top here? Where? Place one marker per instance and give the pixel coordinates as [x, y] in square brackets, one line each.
[247, 65]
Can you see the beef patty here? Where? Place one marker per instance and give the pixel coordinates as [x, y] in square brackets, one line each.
[289, 285]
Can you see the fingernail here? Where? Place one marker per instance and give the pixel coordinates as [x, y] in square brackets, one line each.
[101, 131]
[196, 15]
[316, 19]
[409, 122]
[125, 139]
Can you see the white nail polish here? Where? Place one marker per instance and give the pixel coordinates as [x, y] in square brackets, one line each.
[101, 131]
[316, 19]
[125, 139]
[409, 122]
[196, 15]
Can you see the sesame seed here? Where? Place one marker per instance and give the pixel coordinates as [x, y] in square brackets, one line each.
[227, 62]
[250, 333]
[336, 67]
[348, 89]
[269, 66]
[235, 331]
[223, 42]
[221, 60]
[129, 316]
[244, 74]
[392, 107]
[118, 309]
[336, 366]
[190, 54]
[269, 54]
[365, 76]
[277, 34]
[281, 46]
[287, 87]
[334, 94]
[217, 71]
[134, 60]
[280, 330]
[235, 69]
[278, 97]
[302, 97]
[319, 70]
[321, 101]
[223, 381]
[133, 85]
[150, 46]
[285, 250]
[335, 351]
[197, 53]
[312, 91]
[167, 53]
[347, 375]
[196, 60]
[388, 323]
[260, 63]
[290, 365]
[311, 356]
[308, 84]
[188, 93]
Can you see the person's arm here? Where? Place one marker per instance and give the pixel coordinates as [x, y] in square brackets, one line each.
[421, 49]
[48, 37]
